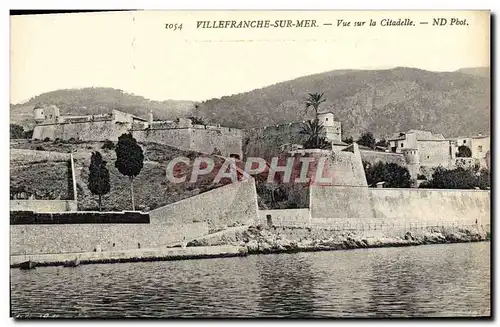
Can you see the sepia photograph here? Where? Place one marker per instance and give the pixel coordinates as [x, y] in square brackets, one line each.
[250, 164]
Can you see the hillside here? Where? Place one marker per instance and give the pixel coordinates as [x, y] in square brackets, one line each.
[380, 101]
[477, 71]
[98, 100]
[48, 179]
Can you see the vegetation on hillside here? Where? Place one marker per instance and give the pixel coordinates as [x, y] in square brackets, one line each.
[45, 180]
[151, 187]
[381, 101]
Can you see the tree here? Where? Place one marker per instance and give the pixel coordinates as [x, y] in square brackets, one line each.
[392, 174]
[98, 177]
[313, 101]
[367, 140]
[458, 178]
[464, 152]
[314, 130]
[16, 131]
[348, 140]
[129, 159]
[382, 143]
[197, 120]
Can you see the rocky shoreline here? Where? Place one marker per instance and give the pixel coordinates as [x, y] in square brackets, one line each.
[258, 239]
[263, 240]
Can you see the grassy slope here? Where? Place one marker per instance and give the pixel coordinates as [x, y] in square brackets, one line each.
[152, 190]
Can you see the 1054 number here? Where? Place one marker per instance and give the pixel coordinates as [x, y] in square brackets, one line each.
[174, 27]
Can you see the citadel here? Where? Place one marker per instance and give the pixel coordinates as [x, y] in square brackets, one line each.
[195, 223]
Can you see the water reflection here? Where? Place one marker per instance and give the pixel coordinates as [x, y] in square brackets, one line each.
[286, 285]
[437, 280]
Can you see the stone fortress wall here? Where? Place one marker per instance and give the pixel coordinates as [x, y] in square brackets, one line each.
[200, 138]
[233, 204]
[180, 133]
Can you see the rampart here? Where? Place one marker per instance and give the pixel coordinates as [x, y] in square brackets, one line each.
[84, 130]
[32, 156]
[359, 207]
[43, 205]
[374, 157]
[198, 138]
[169, 225]
[267, 141]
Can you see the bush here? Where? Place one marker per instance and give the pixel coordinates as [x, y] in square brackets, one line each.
[46, 139]
[367, 140]
[458, 178]
[348, 140]
[16, 131]
[421, 177]
[28, 134]
[392, 174]
[40, 148]
[108, 145]
[464, 152]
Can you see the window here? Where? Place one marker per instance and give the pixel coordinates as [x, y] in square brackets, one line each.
[480, 148]
[326, 119]
[401, 144]
[427, 157]
[464, 141]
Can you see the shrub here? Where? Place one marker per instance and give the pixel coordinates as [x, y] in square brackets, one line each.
[392, 174]
[108, 145]
[458, 178]
[28, 134]
[16, 131]
[421, 177]
[367, 140]
[46, 139]
[40, 148]
[464, 152]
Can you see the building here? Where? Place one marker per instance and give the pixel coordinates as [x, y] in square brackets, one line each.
[180, 133]
[333, 128]
[433, 150]
[479, 146]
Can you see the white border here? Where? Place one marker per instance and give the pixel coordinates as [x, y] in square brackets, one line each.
[203, 5]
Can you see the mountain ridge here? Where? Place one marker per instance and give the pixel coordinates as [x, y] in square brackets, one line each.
[98, 100]
[382, 101]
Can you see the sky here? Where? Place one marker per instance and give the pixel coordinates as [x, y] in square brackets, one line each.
[133, 51]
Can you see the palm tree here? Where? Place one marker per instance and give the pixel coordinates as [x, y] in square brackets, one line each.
[314, 130]
[314, 100]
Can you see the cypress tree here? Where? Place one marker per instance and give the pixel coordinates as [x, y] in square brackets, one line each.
[98, 177]
[129, 159]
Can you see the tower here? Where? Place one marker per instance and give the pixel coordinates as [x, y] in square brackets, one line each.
[150, 117]
[332, 127]
[326, 118]
[412, 161]
[38, 114]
